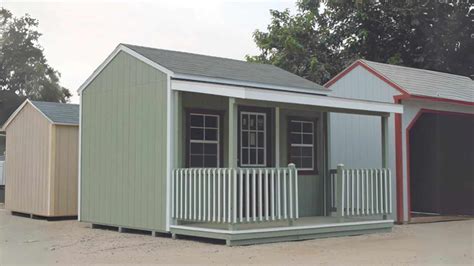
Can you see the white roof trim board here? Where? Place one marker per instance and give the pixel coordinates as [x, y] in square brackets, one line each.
[341, 104]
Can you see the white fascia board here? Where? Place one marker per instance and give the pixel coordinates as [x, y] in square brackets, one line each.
[286, 97]
[66, 124]
[316, 91]
[118, 49]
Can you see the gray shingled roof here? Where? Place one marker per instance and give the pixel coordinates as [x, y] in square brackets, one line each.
[423, 82]
[224, 68]
[59, 113]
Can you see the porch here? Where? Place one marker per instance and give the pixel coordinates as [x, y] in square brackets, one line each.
[250, 206]
[254, 169]
[301, 229]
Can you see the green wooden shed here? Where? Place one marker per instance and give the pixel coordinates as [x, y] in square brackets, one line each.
[190, 144]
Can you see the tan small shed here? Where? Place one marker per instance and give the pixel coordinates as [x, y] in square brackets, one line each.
[42, 158]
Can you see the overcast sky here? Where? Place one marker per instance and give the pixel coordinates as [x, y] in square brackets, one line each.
[78, 35]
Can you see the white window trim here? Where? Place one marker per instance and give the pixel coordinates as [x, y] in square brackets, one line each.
[203, 114]
[313, 126]
[256, 148]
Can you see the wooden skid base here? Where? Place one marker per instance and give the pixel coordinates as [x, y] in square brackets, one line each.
[121, 229]
[42, 217]
[270, 235]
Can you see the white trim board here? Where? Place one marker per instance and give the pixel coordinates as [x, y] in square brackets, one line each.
[337, 104]
[249, 84]
[278, 229]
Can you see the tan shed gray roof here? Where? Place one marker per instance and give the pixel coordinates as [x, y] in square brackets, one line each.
[59, 113]
[429, 83]
[224, 68]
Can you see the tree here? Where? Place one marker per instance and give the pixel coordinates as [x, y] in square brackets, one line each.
[24, 71]
[423, 34]
[300, 43]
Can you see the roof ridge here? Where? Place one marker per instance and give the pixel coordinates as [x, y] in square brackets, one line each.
[190, 53]
[434, 72]
[35, 101]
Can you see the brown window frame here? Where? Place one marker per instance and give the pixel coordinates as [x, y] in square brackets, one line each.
[314, 120]
[221, 114]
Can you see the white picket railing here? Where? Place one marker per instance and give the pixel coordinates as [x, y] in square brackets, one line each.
[361, 192]
[235, 195]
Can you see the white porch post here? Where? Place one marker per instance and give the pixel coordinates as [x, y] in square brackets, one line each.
[277, 136]
[385, 148]
[232, 119]
[385, 145]
[232, 155]
[176, 144]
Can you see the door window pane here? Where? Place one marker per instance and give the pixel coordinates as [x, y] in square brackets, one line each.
[261, 156]
[245, 139]
[261, 139]
[252, 145]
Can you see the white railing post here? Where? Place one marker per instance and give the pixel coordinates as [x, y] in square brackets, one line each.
[339, 185]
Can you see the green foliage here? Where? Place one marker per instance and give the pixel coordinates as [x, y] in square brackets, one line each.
[325, 36]
[23, 67]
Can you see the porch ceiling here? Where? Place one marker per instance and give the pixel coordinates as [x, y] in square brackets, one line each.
[329, 103]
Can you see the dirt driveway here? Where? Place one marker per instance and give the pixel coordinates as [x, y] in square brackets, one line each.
[23, 240]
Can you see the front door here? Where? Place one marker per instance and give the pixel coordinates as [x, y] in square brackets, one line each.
[254, 144]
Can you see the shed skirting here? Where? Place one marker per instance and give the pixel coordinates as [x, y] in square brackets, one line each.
[270, 235]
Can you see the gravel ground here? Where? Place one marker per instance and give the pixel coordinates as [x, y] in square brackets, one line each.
[24, 240]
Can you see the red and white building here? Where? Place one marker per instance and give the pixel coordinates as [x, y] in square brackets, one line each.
[431, 143]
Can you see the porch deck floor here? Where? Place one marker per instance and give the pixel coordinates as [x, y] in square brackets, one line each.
[303, 228]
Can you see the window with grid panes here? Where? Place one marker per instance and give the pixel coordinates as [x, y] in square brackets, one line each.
[204, 140]
[301, 143]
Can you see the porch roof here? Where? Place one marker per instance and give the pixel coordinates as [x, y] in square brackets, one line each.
[333, 104]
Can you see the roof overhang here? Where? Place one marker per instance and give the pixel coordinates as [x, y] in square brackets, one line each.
[332, 104]
[123, 48]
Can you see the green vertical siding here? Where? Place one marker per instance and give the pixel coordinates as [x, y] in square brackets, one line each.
[123, 146]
